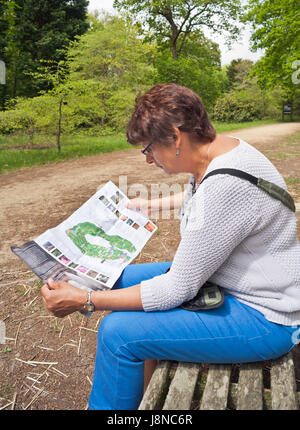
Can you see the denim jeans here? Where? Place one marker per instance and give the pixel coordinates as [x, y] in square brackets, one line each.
[232, 333]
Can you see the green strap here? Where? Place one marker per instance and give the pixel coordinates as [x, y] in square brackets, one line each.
[272, 189]
[277, 192]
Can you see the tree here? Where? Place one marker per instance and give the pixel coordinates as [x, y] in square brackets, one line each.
[114, 53]
[238, 73]
[276, 25]
[114, 63]
[244, 99]
[7, 47]
[94, 90]
[57, 74]
[173, 21]
[35, 30]
[198, 67]
[3, 28]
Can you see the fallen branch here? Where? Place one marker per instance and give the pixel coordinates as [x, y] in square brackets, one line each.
[34, 399]
[88, 329]
[58, 371]
[14, 401]
[5, 406]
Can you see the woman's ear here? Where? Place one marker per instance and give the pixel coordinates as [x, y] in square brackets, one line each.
[178, 137]
[177, 141]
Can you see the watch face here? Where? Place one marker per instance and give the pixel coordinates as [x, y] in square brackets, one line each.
[90, 307]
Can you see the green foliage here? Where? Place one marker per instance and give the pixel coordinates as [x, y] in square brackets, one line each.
[238, 73]
[108, 66]
[94, 90]
[198, 67]
[243, 88]
[33, 30]
[171, 21]
[29, 115]
[231, 108]
[114, 54]
[276, 26]
[206, 81]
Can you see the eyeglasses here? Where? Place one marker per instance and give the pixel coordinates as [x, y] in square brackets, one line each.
[146, 150]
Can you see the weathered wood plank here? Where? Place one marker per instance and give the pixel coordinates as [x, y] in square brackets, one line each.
[283, 384]
[182, 387]
[217, 387]
[250, 387]
[156, 387]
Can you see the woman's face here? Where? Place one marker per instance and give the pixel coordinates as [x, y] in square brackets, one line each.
[163, 157]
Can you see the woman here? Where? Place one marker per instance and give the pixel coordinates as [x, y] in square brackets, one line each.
[232, 233]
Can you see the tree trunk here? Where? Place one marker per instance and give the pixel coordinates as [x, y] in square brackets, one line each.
[264, 103]
[59, 126]
[174, 49]
[31, 134]
[167, 13]
[14, 91]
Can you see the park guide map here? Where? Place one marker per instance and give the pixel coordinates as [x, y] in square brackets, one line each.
[91, 248]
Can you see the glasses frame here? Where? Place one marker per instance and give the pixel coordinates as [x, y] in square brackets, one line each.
[146, 151]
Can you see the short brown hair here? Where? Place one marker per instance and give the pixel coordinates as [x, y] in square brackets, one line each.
[164, 107]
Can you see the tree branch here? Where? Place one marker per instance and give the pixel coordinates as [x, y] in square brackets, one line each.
[190, 25]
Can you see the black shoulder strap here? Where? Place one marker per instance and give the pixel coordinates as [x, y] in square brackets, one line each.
[272, 189]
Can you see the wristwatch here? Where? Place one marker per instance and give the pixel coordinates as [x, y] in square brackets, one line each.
[89, 306]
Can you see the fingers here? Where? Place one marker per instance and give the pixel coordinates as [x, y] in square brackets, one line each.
[132, 206]
[47, 294]
[55, 296]
[52, 284]
[45, 291]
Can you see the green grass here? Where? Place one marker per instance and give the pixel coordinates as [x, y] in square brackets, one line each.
[13, 157]
[225, 127]
[292, 181]
[294, 139]
[71, 147]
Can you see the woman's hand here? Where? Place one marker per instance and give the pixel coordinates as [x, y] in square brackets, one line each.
[155, 205]
[62, 299]
[140, 204]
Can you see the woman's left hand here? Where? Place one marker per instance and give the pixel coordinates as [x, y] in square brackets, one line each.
[62, 299]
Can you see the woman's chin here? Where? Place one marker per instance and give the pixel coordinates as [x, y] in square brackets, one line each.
[164, 169]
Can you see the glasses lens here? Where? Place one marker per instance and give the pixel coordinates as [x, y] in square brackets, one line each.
[147, 149]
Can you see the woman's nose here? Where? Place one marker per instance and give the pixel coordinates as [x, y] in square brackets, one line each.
[149, 159]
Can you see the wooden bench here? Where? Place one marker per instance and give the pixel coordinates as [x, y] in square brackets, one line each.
[270, 384]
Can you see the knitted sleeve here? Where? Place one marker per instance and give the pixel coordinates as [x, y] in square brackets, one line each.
[220, 215]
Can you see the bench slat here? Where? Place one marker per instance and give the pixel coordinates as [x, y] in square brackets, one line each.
[182, 387]
[217, 387]
[283, 384]
[250, 387]
[156, 386]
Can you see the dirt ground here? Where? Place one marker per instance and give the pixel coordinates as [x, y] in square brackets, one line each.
[46, 362]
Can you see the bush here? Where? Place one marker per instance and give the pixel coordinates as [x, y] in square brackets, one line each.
[13, 121]
[231, 108]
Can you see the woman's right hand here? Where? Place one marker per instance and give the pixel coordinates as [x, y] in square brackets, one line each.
[139, 204]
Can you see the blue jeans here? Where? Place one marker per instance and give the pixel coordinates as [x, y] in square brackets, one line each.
[232, 333]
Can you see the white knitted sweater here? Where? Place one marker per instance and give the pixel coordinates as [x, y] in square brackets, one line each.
[237, 236]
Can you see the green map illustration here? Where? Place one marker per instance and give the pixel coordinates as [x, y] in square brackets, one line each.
[78, 232]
